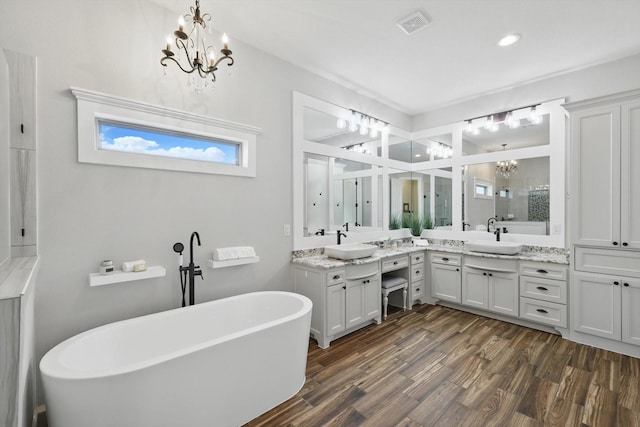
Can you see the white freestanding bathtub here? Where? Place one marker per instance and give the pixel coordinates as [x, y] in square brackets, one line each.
[220, 363]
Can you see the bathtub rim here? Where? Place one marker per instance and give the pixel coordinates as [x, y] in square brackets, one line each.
[50, 366]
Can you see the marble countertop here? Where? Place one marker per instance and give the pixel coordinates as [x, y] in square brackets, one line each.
[15, 275]
[323, 261]
[316, 259]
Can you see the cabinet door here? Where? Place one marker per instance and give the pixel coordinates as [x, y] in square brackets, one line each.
[630, 175]
[336, 303]
[630, 312]
[596, 305]
[373, 302]
[355, 303]
[596, 176]
[445, 282]
[475, 285]
[503, 293]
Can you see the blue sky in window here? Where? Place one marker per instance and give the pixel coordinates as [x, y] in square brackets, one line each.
[132, 139]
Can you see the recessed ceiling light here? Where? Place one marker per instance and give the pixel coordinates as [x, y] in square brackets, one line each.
[508, 40]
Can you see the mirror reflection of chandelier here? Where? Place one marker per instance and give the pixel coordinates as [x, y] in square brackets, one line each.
[506, 168]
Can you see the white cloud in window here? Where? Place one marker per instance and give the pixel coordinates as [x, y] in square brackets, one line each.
[136, 144]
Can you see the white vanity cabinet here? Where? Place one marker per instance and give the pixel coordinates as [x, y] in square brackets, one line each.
[607, 307]
[605, 147]
[344, 299]
[445, 276]
[490, 284]
[543, 293]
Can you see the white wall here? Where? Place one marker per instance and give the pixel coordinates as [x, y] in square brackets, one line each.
[603, 79]
[88, 213]
[5, 212]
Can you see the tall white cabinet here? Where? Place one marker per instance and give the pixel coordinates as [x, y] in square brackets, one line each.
[605, 221]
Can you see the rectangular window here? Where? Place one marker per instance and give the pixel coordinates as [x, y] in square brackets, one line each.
[122, 132]
[159, 142]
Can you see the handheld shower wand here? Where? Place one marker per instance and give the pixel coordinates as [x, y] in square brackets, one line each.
[178, 248]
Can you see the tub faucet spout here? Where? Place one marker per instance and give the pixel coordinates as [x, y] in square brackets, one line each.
[193, 270]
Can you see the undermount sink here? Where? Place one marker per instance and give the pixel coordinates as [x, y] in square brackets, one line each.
[493, 247]
[350, 251]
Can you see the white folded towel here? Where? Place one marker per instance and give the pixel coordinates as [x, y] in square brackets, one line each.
[420, 242]
[234, 252]
[129, 266]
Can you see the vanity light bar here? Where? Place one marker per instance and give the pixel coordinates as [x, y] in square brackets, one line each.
[365, 123]
[511, 118]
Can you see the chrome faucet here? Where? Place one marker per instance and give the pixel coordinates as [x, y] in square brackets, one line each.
[192, 269]
[340, 233]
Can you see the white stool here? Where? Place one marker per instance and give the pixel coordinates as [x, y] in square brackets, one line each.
[390, 284]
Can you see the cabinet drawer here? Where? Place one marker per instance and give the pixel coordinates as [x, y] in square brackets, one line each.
[358, 271]
[417, 272]
[417, 258]
[335, 277]
[417, 290]
[492, 264]
[450, 259]
[543, 312]
[544, 289]
[608, 261]
[545, 270]
[395, 263]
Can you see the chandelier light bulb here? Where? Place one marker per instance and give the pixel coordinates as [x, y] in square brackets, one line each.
[225, 41]
[181, 23]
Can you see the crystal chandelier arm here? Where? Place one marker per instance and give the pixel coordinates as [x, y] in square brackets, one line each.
[171, 58]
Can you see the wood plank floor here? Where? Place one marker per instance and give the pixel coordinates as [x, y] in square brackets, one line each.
[436, 366]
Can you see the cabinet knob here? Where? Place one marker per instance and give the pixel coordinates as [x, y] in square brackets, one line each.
[540, 310]
[417, 271]
[417, 290]
[616, 283]
[336, 277]
[541, 271]
[491, 274]
[457, 269]
[395, 262]
[615, 243]
[625, 244]
[625, 284]
[445, 259]
[541, 288]
[484, 274]
[344, 287]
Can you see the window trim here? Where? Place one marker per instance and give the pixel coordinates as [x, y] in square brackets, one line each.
[94, 106]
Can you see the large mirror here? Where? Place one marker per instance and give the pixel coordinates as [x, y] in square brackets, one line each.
[512, 194]
[517, 203]
[446, 181]
[340, 194]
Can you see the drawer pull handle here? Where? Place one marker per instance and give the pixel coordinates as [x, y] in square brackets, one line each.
[417, 258]
[417, 271]
[366, 281]
[625, 244]
[540, 310]
[542, 288]
[616, 283]
[336, 277]
[615, 243]
[457, 269]
[445, 259]
[541, 271]
[395, 262]
[625, 284]
[344, 287]
[491, 274]
[417, 290]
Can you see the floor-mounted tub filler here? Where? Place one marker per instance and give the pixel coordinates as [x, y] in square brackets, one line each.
[220, 363]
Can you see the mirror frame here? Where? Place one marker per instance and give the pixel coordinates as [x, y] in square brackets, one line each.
[555, 150]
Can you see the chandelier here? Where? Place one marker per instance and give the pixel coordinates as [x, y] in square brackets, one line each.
[506, 168]
[194, 53]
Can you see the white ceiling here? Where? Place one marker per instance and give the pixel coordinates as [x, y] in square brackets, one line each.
[358, 43]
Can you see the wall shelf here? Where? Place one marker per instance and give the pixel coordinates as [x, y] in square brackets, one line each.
[118, 276]
[232, 262]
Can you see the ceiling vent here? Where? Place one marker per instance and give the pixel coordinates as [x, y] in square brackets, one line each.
[414, 22]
